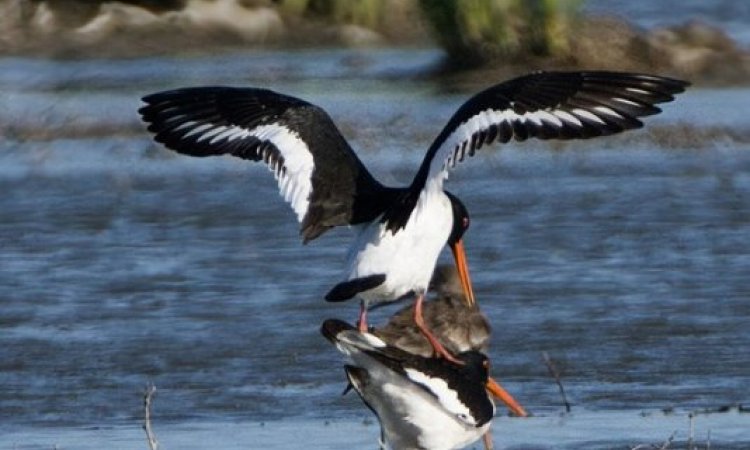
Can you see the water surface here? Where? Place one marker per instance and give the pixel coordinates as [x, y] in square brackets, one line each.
[122, 264]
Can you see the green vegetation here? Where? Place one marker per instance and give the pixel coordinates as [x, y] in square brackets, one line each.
[365, 13]
[475, 31]
[472, 32]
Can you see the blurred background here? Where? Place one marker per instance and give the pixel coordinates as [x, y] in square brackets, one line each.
[696, 39]
[626, 258]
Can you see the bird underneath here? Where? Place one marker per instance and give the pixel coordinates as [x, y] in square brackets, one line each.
[400, 230]
[421, 403]
[458, 326]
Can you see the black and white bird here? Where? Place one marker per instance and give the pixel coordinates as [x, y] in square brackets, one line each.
[400, 230]
[421, 403]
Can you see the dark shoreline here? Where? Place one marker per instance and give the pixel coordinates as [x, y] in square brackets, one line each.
[696, 50]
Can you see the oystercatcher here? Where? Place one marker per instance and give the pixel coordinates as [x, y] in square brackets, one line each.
[401, 230]
[421, 403]
[458, 326]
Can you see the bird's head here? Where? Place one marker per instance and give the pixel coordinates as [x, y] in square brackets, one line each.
[477, 368]
[461, 223]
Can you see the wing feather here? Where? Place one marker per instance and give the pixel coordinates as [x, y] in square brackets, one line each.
[542, 105]
[546, 105]
[317, 172]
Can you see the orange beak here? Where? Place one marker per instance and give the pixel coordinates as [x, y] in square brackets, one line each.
[501, 394]
[463, 271]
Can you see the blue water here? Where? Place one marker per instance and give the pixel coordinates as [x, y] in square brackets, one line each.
[122, 264]
[729, 15]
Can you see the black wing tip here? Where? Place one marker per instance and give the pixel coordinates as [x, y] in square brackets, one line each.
[626, 74]
[222, 93]
[165, 110]
[311, 229]
[156, 102]
[664, 84]
[162, 96]
[156, 97]
[357, 376]
[191, 90]
[348, 289]
[331, 328]
[149, 111]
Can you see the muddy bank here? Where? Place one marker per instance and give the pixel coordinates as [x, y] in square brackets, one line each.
[582, 430]
[73, 28]
[694, 50]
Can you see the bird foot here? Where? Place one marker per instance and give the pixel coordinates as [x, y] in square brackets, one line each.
[487, 440]
[362, 320]
[442, 352]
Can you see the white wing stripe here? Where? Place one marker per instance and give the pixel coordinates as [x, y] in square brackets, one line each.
[447, 397]
[548, 117]
[567, 117]
[638, 91]
[587, 115]
[175, 118]
[230, 134]
[533, 117]
[295, 182]
[185, 125]
[625, 101]
[197, 130]
[463, 134]
[211, 133]
[352, 339]
[284, 186]
[608, 111]
[454, 148]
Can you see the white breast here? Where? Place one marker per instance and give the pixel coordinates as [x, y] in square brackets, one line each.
[408, 257]
[431, 426]
[410, 417]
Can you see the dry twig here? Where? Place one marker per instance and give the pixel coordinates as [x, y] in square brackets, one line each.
[668, 442]
[556, 375]
[664, 446]
[153, 444]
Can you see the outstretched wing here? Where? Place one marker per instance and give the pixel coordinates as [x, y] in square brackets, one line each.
[318, 173]
[546, 105]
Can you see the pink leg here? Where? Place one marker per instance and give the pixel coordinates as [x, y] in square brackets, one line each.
[362, 322]
[440, 351]
[487, 440]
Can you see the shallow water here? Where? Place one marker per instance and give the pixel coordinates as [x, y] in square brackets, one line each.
[729, 15]
[122, 264]
[581, 430]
